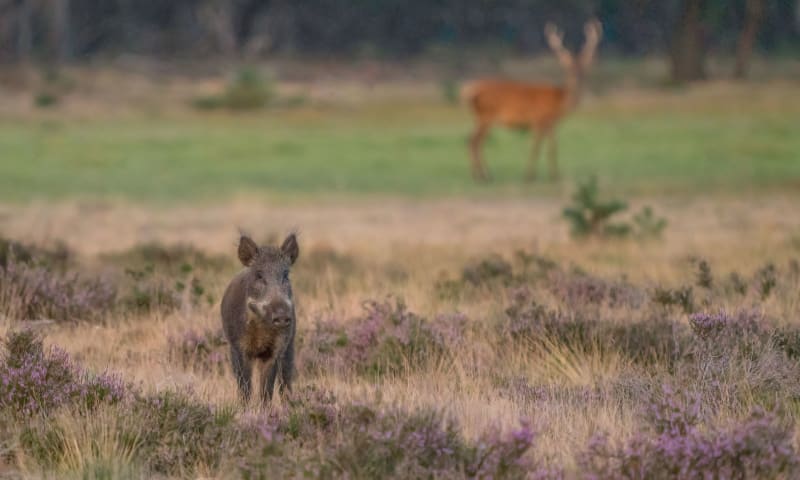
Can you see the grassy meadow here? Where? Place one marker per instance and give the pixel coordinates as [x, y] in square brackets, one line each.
[445, 329]
[406, 141]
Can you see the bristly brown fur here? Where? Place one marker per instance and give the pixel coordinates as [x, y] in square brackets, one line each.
[264, 336]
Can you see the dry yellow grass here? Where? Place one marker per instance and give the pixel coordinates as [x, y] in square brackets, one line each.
[425, 240]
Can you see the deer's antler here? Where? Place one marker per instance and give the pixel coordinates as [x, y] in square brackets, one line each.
[555, 38]
[593, 30]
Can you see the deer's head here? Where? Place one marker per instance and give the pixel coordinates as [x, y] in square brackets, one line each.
[575, 66]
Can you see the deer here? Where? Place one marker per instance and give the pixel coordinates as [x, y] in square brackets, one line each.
[535, 107]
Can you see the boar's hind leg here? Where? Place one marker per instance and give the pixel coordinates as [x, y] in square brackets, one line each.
[242, 370]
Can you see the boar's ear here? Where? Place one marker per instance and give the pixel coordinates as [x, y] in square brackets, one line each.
[290, 247]
[247, 250]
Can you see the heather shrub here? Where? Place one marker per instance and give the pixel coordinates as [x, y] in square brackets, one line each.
[387, 338]
[520, 389]
[201, 352]
[649, 341]
[149, 291]
[704, 277]
[79, 443]
[36, 380]
[172, 259]
[736, 359]
[34, 292]
[494, 271]
[310, 411]
[11, 250]
[367, 440]
[355, 440]
[177, 433]
[322, 347]
[391, 444]
[766, 280]
[321, 259]
[646, 340]
[682, 297]
[487, 270]
[264, 458]
[166, 433]
[676, 447]
[528, 319]
[735, 283]
[714, 325]
[500, 454]
[579, 290]
[787, 339]
[327, 262]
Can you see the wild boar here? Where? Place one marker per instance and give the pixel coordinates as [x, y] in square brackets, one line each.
[258, 316]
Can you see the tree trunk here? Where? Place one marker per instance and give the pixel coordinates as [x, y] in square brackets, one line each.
[218, 19]
[688, 54]
[24, 30]
[744, 49]
[61, 44]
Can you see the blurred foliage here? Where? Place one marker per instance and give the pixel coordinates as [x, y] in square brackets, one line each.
[247, 90]
[376, 27]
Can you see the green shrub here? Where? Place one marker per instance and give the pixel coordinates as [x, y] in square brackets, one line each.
[208, 102]
[449, 89]
[248, 90]
[647, 225]
[590, 216]
[174, 259]
[45, 99]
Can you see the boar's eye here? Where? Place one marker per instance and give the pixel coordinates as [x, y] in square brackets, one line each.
[259, 275]
[285, 277]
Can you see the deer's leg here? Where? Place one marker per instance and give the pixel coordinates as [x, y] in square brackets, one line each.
[533, 162]
[479, 172]
[553, 155]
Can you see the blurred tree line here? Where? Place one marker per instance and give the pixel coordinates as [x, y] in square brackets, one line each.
[73, 30]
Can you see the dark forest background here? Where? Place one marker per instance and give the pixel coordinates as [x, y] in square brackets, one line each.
[685, 30]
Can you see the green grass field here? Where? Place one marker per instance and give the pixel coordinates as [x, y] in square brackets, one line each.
[680, 142]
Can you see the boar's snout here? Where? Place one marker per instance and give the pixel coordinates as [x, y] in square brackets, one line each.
[281, 314]
[277, 312]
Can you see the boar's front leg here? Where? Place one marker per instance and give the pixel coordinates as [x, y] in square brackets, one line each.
[269, 371]
[243, 371]
[287, 369]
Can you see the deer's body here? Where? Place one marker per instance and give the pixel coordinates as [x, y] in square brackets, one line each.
[515, 104]
[530, 106]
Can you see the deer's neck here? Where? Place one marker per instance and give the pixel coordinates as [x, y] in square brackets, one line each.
[573, 85]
